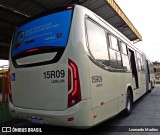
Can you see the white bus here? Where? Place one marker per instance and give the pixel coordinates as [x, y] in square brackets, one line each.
[70, 67]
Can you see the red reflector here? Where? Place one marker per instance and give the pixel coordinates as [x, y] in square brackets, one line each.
[69, 7]
[32, 50]
[70, 119]
[95, 116]
[102, 103]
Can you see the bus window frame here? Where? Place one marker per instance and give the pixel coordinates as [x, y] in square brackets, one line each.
[121, 48]
[109, 68]
[87, 41]
[117, 51]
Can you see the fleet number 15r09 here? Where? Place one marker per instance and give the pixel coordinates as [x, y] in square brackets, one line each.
[54, 74]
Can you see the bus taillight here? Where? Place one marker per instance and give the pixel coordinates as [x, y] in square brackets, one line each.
[69, 79]
[32, 50]
[73, 80]
[69, 7]
[9, 87]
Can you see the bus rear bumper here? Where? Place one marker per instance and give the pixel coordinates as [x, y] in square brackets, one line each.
[78, 116]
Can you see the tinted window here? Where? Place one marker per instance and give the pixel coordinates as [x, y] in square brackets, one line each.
[139, 65]
[123, 48]
[97, 42]
[139, 60]
[126, 65]
[119, 61]
[113, 42]
[113, 59]
[115, 56]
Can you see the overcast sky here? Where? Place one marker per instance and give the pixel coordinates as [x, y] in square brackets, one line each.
[145, 16]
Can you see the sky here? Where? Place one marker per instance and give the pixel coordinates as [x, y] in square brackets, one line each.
[145, 16]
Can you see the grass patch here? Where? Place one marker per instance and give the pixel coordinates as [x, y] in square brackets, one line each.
[4, 112]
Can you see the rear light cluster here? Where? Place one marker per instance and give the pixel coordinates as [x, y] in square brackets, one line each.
[32, 50]
[9, 87]
[74, 90]
[69, 7]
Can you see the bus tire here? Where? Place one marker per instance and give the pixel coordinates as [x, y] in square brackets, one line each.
[129, 103]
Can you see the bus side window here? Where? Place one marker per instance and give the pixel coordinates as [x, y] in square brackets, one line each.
[126, 65]
[97, 43]
[113, 42]
[123, 48]
[125, 59]
[115, 56]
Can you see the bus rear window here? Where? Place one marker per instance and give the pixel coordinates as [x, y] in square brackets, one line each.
[48, 31]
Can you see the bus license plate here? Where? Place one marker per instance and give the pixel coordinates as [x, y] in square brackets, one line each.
[37, 120]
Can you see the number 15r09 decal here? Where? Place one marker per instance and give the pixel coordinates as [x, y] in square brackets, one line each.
[54, 74]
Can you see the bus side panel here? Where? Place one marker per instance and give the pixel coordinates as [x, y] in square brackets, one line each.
[78, 54]
[104, 96]
[78, 51]
[108, 96]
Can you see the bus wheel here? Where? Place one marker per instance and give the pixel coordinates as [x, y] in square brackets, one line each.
[129, 103]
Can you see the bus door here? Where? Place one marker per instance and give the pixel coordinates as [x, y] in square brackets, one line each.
[134, 69]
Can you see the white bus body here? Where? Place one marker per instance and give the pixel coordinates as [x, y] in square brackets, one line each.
[72, 82]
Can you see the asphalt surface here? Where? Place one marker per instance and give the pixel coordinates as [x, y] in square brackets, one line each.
[145, 112]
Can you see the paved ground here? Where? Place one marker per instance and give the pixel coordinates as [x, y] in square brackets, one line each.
[145, 112]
